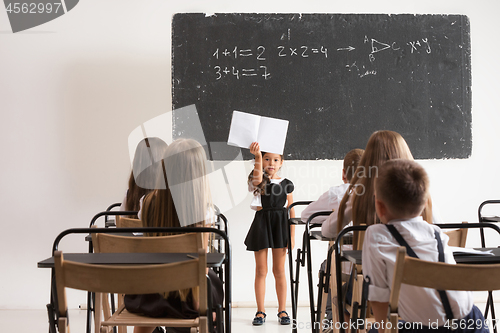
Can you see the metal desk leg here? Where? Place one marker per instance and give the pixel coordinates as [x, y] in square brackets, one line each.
[52, 306]
[322, 288]
[340, 304]
[490, 305]
[227, 291]
[89, 299]
[310, 282]
[292, 281]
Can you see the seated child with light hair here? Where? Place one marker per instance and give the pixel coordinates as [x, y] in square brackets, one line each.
[401, 193]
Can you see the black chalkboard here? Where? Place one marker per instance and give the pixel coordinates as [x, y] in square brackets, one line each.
[336, 77]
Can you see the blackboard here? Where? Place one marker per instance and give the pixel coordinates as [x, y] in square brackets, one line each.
[336, 77]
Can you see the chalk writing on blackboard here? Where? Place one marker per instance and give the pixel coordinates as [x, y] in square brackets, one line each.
[336, 77]
[263, 53]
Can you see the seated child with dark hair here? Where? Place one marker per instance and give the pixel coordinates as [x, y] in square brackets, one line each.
[330, 200]
[401, 192]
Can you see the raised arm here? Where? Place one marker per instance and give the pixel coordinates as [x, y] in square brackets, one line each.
[257, 169]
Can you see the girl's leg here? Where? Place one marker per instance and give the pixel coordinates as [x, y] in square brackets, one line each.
[279, 257]
[260, 279]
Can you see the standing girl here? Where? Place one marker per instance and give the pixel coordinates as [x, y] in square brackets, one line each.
[269, 229]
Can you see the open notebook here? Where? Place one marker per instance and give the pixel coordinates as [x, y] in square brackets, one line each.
[246, 128]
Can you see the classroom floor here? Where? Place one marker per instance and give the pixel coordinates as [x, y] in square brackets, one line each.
[29, 321]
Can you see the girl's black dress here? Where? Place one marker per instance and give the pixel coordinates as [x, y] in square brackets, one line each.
[269, 228]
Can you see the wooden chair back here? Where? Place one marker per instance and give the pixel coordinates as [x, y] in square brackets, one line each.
[441, 276]
[132, 279]
[184, 243]
[110, 243]
[457, 237]
[127, 222]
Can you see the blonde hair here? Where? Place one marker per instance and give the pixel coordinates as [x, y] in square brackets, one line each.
[186, 200]
[381, 147]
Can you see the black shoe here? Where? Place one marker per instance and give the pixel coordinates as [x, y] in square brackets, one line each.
[284, 320]
[257, 321]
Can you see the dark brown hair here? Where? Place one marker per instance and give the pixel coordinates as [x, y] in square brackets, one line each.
[261, 188]
[145, 169]
[351, 161]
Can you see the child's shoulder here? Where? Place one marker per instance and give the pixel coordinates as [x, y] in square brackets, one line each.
[285, 183]
[377, 233]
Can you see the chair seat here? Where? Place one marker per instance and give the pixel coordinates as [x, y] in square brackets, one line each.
[124, 318]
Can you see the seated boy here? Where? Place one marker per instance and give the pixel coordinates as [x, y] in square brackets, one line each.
[330, 200]
[401, 191]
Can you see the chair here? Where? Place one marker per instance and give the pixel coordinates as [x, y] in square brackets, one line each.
[457, 237]
[127, 222]
[108, 243]
[123, 280]
[439, 276]
[357, 274]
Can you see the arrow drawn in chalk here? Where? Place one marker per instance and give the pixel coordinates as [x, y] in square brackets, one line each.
[379, 46]
[350, 48]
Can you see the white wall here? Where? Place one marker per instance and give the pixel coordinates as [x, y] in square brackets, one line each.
[73, 89]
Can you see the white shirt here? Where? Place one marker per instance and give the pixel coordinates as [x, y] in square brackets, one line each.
[416, 304]
[329, 226]
[328, 201]
[257, 201]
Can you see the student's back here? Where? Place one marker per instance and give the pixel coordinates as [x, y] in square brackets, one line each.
[181, 199]
[330, 200]
[379, 258]
[401, 193]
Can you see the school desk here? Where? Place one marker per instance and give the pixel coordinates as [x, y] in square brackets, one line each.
[304, 257]
[354, 256]
[221, 223]
[213, 260]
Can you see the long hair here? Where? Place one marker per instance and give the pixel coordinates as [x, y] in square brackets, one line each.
[381, 147]
[145, 169]
[186, 199]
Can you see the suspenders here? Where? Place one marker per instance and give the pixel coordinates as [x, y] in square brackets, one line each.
[411, 253]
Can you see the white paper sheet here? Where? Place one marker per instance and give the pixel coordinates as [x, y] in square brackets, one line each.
[246, 128]
[463, 250]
